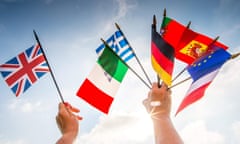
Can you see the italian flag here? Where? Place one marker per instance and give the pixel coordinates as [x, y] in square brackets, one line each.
[102, 84]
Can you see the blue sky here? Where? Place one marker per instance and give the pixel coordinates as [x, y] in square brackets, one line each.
[70, 31]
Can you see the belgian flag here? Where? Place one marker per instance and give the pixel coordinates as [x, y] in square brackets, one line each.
[162, 57]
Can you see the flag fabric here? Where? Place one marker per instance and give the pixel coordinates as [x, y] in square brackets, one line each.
[162, 57]
[188, 44]
[203, 71]
[120, 45]
[171, 31]
[193, 45]
[103, 82]
[25, 69]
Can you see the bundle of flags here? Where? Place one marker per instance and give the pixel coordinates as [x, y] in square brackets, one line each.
[204, 56]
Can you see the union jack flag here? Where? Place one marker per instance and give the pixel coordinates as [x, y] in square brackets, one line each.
[25, 69]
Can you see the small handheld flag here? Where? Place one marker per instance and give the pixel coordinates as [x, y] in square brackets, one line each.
[120, 45]
[25, 69]
[203, 71]
[102, 84]
[162, 57]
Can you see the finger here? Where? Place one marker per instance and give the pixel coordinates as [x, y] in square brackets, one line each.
[164, 85]
[73, 109]
[79, 117]
[154, 85]
[145, 102]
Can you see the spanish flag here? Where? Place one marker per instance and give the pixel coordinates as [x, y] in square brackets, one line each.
[162, 57]
[193, 45]
[188, 44]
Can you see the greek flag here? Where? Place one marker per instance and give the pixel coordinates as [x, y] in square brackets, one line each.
[120, 45]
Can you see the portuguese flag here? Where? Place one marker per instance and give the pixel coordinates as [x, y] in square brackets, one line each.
[171, 31]
[102, 84]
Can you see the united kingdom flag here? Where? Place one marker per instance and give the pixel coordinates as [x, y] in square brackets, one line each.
[25, 69]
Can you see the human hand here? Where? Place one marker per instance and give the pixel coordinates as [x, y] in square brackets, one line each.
[158, 103]
[67, 122]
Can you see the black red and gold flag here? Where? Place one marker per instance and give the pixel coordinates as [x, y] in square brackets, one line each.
[162, 57]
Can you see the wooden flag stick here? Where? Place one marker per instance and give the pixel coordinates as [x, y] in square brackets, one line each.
[105, 43]
[180, 73]
[164, 12]
[188, 25]
[180, 82]
[51, 72]
[138, 61]
[235, 55]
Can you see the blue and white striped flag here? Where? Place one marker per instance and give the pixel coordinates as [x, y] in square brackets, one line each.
[120, 45]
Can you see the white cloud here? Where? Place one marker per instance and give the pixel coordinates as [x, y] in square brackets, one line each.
[236, 131]
[25, 106]
[198, 133]
[120, 128]
[123, 8]
[4, 140]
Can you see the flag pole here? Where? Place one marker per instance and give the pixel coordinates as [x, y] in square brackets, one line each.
[235, 55]
[180, 82]
[180, 73]
[138, 61]
[189, 24]
[51, 72]
[105, 43]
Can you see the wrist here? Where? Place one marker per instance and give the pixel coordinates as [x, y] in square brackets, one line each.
[160, 116]
[67, 138]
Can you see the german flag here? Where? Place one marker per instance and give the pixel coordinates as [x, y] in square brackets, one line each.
[162, 57]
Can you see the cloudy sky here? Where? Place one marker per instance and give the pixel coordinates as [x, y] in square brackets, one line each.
[70, 31]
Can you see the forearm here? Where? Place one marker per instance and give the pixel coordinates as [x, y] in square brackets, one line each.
[67, 138]
[165, 131]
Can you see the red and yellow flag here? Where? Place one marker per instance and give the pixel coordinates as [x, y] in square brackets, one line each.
[188, 44]
[193, 45]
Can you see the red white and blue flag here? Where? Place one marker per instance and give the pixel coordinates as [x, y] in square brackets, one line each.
[203, 71]
[25, 69]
